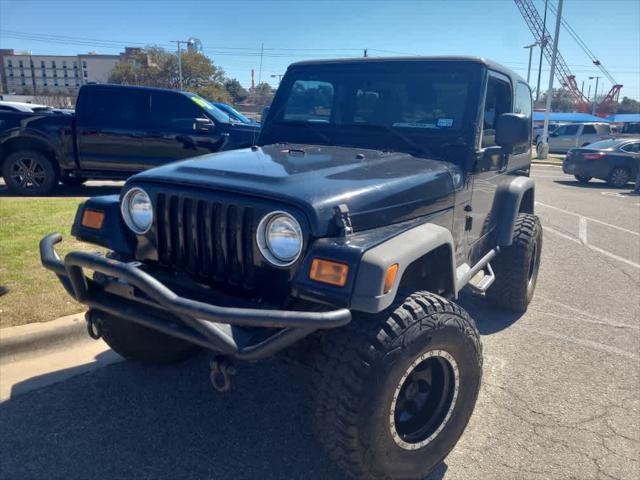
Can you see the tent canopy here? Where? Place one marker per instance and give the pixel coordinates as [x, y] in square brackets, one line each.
[624, 118]
[568, 117]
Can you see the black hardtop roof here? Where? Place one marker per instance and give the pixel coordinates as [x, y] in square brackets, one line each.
[136, 87]
[454, 58]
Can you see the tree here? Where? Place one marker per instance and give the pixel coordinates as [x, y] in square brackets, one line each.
[237, 92]
[628, 105]
[561, 101]
[263, 94]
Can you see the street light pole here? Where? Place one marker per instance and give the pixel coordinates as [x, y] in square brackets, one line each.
[595, 96]
[545, 132]
[530, 47]
[543, 44]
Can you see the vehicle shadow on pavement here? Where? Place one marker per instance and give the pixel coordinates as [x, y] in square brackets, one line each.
[488, 318]
[79, 191]
[593, 184]
[132, 421]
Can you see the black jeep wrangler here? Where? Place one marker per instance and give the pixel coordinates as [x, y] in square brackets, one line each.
[379, 188]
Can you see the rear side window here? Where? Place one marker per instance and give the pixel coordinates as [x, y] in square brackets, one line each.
[174, 111]
[631, 147]
[589, 129]
[603, 129]
[116, 108]
[568, 130]
[309, 101]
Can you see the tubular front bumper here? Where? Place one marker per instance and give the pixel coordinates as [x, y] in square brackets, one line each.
[141, 298]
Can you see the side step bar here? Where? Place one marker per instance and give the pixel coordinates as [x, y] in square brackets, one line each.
[466, 274]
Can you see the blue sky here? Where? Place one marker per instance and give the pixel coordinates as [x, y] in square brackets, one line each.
[232, 31]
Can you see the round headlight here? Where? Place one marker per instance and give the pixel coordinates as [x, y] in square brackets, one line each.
[137, 210]
[280, 238]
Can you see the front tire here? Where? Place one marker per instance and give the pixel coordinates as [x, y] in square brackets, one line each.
[28, 172]
[393, 392]
[142, 344]
[516, 266]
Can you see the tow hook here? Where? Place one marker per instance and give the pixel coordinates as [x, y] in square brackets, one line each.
[94, 325]
[221, 371]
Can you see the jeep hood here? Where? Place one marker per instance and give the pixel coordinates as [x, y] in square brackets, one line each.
[379, 188]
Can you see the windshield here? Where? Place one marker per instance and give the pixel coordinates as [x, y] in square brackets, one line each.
[373, 106]
[213, 111]
[235, 115]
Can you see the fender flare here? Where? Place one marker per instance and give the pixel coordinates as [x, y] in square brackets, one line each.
[509, 200]
[403, 249]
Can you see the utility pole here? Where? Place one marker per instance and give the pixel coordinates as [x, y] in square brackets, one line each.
[530, 47]
[543, 44]
[595, 96]
[582, 88]
[180, 42]
[545, 132]
[366, 54]
[278, 76]
[260, 69]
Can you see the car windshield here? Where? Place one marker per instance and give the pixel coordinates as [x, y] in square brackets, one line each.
[604, 145]
[235, 115]
[210, 108]
[372, 105]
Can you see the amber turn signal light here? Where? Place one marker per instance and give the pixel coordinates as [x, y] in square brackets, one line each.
[92, 219]
[326, 271]
[390, 277]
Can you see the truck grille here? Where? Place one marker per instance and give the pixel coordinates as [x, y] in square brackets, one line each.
[212, 240]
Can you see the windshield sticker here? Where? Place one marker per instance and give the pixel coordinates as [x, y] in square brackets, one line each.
[414, 125]
[445, 122]
[200, 102]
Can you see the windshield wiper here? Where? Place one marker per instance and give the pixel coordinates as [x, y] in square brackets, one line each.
[407, 141]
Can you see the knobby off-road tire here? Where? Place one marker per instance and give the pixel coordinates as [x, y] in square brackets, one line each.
[516, 266]
[28, 172]
[393, 392]
[142, 344]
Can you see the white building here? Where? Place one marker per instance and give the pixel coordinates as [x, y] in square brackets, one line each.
[23, 73]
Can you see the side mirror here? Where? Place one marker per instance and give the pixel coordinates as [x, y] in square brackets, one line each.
[202, 125]
[512, 129]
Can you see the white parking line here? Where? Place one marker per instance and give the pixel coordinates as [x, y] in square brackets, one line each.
[588, 218]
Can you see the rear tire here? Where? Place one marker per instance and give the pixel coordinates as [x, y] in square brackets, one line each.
[394, 391]
[619, 177]
[28, 172]
[583, 178]
[142, 344]
[516, 266]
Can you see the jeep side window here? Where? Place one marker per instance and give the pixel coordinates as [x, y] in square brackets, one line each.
[588, 129]
[309, 101]
[497, 102]
[523, 106]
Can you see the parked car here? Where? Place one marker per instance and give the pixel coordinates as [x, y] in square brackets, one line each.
[538, 129]
[235, 115]
[615, 160]
[116, 131]
[574, 135]
[6, 106]
[340, 241]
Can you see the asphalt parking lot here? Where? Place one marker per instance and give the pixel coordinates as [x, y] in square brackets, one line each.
[559, 398]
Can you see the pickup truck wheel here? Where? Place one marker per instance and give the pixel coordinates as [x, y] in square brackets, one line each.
[28, 172]
[72, 181]
[516, 266]
[393, 392]
[583, 178]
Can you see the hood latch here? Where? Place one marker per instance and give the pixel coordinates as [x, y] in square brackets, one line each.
[343, 219]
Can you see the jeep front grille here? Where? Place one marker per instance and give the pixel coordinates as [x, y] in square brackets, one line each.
[210, 239]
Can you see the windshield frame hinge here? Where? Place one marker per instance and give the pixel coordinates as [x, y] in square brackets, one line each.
[343, 219]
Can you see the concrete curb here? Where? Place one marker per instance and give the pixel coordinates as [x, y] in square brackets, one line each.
[545, 162]
[40, 337]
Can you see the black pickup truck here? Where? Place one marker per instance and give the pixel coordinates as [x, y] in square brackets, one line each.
[116, 131]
